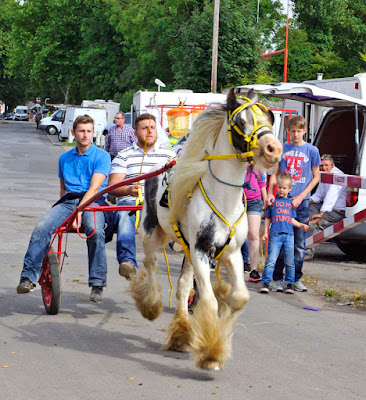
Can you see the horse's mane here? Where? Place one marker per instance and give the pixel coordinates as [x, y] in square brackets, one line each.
[191, 166]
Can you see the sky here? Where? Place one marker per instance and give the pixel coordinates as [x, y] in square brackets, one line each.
[284, 4]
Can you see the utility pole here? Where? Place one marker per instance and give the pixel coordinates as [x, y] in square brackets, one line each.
[215, 41]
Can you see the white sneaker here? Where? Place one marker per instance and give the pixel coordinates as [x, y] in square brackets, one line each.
[277, 286]
[300, 287]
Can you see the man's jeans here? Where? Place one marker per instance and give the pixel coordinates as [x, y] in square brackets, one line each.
[303, 215]
[277, 242]
[41, 238]
[245, 251]
[126, 232]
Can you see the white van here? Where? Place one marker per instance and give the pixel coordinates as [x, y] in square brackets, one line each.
[21, 113]
[52, 124]
[110, 106]
[337, 126]
[99, 116]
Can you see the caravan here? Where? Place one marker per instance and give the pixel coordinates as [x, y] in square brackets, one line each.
[336, 125]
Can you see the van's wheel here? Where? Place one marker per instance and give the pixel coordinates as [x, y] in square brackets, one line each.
[61, 138]
[352, 248]
[51, 130]
[50, 282]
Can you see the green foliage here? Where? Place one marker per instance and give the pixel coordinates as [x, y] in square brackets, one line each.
[70, 50]
[331, 293]
[337, 30]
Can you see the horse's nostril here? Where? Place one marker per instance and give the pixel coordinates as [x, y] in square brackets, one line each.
[270, 148]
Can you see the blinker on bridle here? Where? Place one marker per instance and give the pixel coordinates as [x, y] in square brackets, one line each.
[251, 139]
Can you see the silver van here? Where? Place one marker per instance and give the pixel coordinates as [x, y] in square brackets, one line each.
[21, 113]
[336, 125]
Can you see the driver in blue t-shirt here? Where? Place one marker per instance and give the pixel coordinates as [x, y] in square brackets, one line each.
[83, 173]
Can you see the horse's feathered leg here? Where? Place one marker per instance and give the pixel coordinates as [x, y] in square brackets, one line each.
[179, 335]
[239, 294]
[145, 288]
[211, 332]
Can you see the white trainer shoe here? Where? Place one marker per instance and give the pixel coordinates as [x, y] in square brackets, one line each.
[277, 286]
[300, 287]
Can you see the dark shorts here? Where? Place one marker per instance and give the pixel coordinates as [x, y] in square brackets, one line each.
[255, 207]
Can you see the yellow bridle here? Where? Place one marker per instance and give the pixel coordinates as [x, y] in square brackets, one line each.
[251, 139]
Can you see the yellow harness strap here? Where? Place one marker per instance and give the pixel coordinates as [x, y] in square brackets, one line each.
[239, 156]
[223, 219]
[179, 235]
[139, 200]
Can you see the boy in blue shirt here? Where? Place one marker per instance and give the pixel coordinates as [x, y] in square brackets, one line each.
[83, 173]
[281, 215]
[301, 160]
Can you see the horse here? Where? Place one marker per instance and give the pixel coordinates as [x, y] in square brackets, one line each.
[207, 217]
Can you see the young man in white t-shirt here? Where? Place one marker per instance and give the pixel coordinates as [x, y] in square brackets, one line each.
[130, 163]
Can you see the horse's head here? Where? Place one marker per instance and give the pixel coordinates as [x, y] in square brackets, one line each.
[250, 130]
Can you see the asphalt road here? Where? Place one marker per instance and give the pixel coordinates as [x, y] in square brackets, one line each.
[90, 351]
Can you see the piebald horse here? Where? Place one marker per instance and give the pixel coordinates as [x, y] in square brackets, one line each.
[206, 215]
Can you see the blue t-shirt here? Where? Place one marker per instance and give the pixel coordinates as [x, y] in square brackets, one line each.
[298, 161]
[77, 170]
[281, 213]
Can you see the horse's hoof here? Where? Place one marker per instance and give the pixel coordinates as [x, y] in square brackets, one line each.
[211, 365]
[182, 348]
[186, 348]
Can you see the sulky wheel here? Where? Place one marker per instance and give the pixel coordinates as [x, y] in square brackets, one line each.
[51, 283]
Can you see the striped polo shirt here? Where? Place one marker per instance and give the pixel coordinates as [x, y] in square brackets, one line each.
[129, 161]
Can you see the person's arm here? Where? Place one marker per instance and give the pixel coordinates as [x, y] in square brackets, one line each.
[331, 198]
[272, 184]
[266, 227]
[107, 144]
[122, 190]
[264, 196]
[62, 187]
[297, 200]
[95, 184]
[298, 224]
[132, 136]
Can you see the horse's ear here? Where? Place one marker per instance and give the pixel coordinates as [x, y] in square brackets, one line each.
[271, 116]
[231, 102]
[269, 113]
[251, 94]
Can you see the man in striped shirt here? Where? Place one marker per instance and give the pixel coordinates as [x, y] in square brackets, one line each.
[130, 163]
[120, 136]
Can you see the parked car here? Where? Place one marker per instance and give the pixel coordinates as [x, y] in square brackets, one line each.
[337, 126]
[52, 124]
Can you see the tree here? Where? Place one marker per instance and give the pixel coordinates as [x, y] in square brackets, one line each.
[237, 50]
[10, 86]
[337, 29]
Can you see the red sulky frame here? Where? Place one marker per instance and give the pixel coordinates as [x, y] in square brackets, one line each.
[50, 280]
